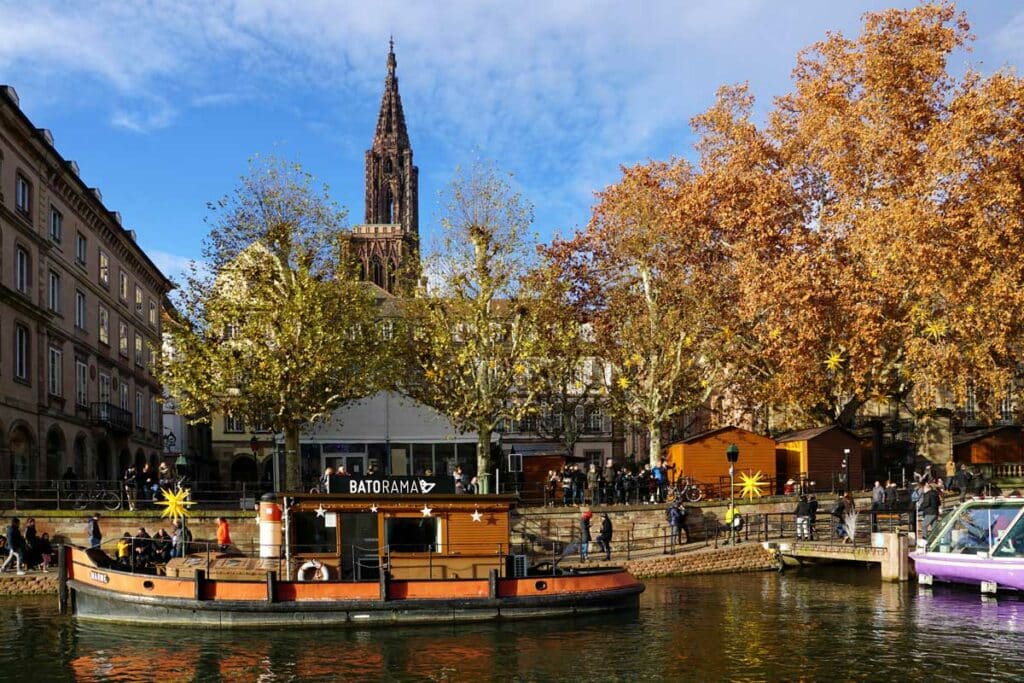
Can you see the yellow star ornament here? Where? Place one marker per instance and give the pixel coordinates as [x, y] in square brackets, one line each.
[751, 485]
[834, 361]
[176, 503]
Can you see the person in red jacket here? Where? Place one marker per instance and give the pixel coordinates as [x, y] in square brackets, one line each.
[223, 534]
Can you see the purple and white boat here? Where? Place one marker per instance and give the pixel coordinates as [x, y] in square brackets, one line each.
[979, 542]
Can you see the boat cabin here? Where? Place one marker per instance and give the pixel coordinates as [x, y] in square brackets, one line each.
[384, 524]
[986, 528]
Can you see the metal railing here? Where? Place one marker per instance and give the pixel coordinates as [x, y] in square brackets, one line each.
[99, 494]
[108, 415]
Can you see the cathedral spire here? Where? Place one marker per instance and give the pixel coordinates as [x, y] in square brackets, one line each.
[391, 120]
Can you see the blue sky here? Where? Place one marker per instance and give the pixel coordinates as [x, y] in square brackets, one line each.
[162, 103]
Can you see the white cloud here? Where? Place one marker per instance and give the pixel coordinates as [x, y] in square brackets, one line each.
[171, 265]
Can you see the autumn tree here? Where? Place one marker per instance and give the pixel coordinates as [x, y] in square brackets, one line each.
[567, 377]
[473, 332]
[275, 329]
[653, 282]
[874, 219]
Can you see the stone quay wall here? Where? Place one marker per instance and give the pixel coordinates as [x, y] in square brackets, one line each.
[746, 557]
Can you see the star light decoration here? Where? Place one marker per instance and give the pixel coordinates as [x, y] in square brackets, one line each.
[373, 508]
[834, 361]
[176, 503]
[321, 511]
[751, 485]
[426, 510]
[477, 515]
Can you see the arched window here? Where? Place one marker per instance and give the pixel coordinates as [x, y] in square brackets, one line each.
[377, 273]
[387, 165]
[389, 206]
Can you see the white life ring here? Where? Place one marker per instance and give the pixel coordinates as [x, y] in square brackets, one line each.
[320, 572]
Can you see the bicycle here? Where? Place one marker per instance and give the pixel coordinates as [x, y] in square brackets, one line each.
[96, 497]
[686, 489]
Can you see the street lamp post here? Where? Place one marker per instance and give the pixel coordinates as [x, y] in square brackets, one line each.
[732, 454]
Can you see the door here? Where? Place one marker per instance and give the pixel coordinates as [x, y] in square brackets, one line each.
[360, 549]
[355, 465]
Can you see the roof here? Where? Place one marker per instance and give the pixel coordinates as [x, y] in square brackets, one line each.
[808, 434]
[978, 435]
[539, 449]
[711, 432]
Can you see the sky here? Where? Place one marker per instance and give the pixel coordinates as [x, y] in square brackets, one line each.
[163, 103]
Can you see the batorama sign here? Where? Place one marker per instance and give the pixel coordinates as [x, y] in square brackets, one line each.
[393, 486]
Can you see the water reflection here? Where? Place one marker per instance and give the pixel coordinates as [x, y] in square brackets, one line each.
[811, 625]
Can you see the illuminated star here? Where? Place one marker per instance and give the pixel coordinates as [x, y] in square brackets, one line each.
[834, 361]
[321, 511]
[426, 511]
[477, 515]
[752, 485]
[373, 508]
[176, 503]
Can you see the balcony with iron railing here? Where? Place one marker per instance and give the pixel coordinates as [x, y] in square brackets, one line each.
[110, 416]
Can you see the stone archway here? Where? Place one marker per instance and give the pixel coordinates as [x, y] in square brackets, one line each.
[123, 461]
[103, 465]
[243, 469]
[22, 447]
[56, 449]
[140, 460]
[81, 454]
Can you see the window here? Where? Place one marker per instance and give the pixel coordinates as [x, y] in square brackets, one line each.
[595, 421]
[81, 248]
[140, 417]
[138, 301]
[152, 313]
[122, 338]
[1006, 407]
[104, 269]
[21, 352]
[154, 416]
[54, 299]
[233, 425]
[80, 309]
[970, 405]
[124, 396]
[22, 195]
[104, 388]
[21, 270]
[55, 371]
[123, 288]
[411, 534]
[139, 358]
[81, 383]
[56, 224]
[104, 326]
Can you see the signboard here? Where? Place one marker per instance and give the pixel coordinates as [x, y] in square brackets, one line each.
[392, 486]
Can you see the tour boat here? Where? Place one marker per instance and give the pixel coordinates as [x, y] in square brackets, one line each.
[979, 542]
[404, 556]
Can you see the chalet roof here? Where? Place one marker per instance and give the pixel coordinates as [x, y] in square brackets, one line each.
[711, 432]
[808, 434]
[977, 435]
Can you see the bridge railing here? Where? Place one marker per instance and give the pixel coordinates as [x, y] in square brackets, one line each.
[100, 494]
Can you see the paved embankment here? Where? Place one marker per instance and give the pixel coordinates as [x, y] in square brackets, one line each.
[32, 583]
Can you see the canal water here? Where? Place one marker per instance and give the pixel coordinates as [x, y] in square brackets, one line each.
[828, 624]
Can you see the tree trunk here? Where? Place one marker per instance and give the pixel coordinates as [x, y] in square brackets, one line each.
[654, 437]
[483, 458]
[291, 476]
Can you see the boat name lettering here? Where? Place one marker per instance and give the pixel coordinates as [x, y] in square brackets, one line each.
[392, 487]
[100, 577]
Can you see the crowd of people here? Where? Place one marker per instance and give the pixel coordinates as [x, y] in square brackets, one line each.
[610, 485]
[25, 548]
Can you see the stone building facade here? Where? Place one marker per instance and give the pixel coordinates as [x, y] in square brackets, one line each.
[80, 319]
[387, 244]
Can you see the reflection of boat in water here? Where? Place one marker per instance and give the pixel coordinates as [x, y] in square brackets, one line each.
[979, 542]
[341, 559]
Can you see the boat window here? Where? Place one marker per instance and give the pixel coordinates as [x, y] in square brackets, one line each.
[310, 533]
[1011, 540]
[411, 534]
[975, 529]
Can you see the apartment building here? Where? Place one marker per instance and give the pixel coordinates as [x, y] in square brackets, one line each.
[80, 319]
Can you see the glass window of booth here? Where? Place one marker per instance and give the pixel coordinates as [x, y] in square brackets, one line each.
[312, 535]
[411, 534]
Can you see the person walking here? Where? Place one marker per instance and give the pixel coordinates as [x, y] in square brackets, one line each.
[223, 534]
[929, 508]
[585, 535]
[129, 483]
[605, 537]
[94, 531]
[803, 514]
[677, 520]
[15, 546]
[812, 517]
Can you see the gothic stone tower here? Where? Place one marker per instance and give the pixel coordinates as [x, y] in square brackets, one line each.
[387, 246]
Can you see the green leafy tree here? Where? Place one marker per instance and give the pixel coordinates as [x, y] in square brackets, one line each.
[473, 333]
[277, 330]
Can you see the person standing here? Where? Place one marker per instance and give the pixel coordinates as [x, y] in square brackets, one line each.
[130, 485]
[609, 480]
[803, 524]
[929, 508]
[223, 534]
[94, 531]
[567, 496]
[592, 479]
[552, 487]
[605, 538]
[15, 546]
[585, 535]
[30, 555]
[677, 520]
